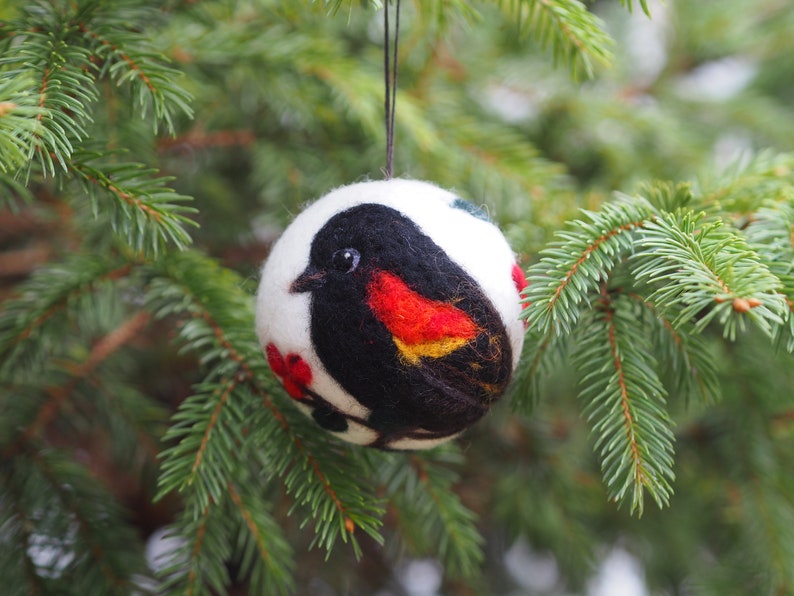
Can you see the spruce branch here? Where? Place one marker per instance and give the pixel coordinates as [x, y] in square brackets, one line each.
[81, 515]
[540, 354]
[56, 395]
[28, 323]
[576, 36]
[65, 88]
[625, 403]
[128, 61]
[198, 565]
[578, 261]
[675, 270]
[465, 144]
[684, 355]
[264, 554]
[143, 210]
[17, 524]
[235, 409]
[217, 313]
[209, 424]
[128, 416]
[355, 91]
[771, 233]
[12, 191]
[50, 73]
[322, 481]
[666, 196]
[205, 455]
[746, 186]
[59, 498]
[768, 516]
[701, 266]
[254, 542]
[21, 128]
[420, 488]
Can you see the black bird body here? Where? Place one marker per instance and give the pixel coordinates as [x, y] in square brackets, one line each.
[430, 397]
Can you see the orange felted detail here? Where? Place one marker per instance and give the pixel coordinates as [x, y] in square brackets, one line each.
[414, 319]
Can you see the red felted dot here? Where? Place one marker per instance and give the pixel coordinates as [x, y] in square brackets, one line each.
[298, 370]
[275, 360]
[518, 278]
[294, 390]
[520, 281]
[413, 318]
[294, 372]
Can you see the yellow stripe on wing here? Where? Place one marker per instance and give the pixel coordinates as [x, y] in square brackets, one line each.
[412, 353]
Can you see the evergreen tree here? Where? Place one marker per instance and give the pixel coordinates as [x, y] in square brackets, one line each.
[151, 152]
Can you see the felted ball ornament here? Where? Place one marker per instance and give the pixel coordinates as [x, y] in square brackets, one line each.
[389, 312]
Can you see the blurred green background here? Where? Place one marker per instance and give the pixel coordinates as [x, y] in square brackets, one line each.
[288, 104]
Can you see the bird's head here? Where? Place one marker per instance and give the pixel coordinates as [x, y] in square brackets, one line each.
[342, 262]
[348, 248]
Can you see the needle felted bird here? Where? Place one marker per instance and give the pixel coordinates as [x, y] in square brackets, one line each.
[390, 313]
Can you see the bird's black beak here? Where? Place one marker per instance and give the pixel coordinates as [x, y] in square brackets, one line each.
[308, 281]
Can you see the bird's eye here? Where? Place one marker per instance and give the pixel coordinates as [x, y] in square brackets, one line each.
[345, 260]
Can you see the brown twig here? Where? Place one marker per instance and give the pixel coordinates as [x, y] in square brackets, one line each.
[639, 472]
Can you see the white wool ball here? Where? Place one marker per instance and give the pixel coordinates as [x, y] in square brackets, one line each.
[390, 312]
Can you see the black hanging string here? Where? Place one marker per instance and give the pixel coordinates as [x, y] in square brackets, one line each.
[390, 78]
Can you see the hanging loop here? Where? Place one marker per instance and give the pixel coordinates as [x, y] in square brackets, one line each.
[390, 81]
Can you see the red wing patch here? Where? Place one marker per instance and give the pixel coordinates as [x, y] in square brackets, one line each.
[412, 318]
